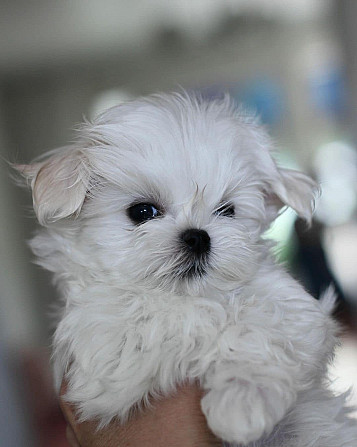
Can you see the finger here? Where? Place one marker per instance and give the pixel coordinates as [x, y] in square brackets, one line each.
[69, 414]
[71, 437]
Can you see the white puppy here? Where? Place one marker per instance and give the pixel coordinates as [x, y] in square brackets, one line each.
[153, 224]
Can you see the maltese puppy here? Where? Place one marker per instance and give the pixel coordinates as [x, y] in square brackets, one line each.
[153, 225]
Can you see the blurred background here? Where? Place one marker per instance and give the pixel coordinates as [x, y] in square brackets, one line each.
[294, 63]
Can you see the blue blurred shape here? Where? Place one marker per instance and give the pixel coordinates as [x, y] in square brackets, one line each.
[327, 91]
[264, 96]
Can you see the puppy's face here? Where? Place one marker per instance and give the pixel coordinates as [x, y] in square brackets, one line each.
[166, 193]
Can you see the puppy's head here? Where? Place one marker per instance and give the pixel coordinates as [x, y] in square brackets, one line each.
[166, 192]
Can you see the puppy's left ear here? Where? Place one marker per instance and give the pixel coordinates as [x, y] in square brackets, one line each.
[59, 184]
[294, 189]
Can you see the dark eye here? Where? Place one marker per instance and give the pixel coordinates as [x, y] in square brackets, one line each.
[225, 210]
[141, 212]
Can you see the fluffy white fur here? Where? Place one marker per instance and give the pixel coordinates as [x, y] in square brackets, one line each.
[132, 326]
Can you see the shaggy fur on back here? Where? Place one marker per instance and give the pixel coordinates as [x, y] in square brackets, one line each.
[142, 313]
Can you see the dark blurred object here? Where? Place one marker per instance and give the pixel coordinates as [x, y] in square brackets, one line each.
[311, 267]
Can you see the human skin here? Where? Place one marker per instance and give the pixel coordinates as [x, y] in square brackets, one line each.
[172, 421]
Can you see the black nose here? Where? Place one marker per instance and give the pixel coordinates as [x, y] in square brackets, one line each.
[198, 241]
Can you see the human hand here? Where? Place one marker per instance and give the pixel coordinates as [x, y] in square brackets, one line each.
[171, 422]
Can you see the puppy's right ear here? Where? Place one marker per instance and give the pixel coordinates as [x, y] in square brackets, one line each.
[59, 184]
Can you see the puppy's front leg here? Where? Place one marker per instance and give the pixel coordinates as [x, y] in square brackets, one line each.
[243, 402]
[249, 388]
[262, 363]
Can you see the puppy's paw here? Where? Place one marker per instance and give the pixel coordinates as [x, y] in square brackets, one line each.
[243, 412]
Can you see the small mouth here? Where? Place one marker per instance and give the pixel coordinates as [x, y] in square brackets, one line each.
[193, 269]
